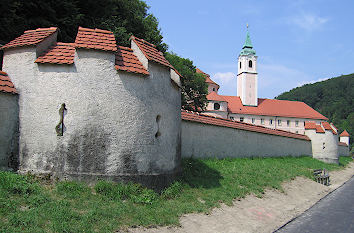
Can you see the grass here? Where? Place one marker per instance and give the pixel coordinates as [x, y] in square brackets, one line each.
[29, 205]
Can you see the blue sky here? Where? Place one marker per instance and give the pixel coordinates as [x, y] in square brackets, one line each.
[296, 41]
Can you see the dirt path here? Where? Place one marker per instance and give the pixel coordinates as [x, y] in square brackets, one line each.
[266, 214]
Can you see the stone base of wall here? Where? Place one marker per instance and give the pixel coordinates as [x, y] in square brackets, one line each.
[327, 160]
[156, 182]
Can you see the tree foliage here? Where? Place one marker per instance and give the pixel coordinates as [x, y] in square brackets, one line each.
[334, 98]
[123, 17]
[194, 87]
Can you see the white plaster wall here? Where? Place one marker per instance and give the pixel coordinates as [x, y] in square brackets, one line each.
[206, 141]
[212, 87]
[291, 128]
[111, 118]
[344, 139]
[324, 145]
[8, 130]
[343, 150]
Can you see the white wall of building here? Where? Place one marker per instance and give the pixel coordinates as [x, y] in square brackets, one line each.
[117, 123]
[8, 130]
[292, 127]
[209, 141]
[324, 145]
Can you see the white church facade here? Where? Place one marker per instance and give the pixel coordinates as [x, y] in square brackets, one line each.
[247, 107]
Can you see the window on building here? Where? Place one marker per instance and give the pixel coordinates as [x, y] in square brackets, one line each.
[242, 119]
[250, 64]
[232, 118]
[304, 123]
[216, 106]
[279, 122]
[262, 121]
[270, 121]
[296, 131]
[296, 123]
[288, 123]
[240, 65]
[253, 120]
[213, 88]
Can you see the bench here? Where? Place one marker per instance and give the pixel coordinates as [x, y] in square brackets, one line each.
[321, 176]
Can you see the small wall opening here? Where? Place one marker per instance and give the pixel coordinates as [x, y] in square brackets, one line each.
[216, 106]
[60, 128]
[158, 133]
[250, 64]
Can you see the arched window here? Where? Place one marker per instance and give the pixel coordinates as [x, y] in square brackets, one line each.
[213, 88]
[216, 106]
[240, 65]
[250, 64]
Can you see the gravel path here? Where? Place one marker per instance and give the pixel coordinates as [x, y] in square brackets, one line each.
[257, 215]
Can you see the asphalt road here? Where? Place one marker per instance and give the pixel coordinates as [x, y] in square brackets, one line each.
[334, 213]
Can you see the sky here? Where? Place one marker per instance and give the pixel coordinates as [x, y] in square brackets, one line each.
[297, 41]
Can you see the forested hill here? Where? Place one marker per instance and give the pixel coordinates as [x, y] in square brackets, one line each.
[334, 98]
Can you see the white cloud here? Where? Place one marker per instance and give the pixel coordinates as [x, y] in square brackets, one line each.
[227, 82]
[308, 21]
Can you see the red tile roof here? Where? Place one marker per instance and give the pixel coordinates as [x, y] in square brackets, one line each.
[344, 134]
[30, 37]
[61, 53]
[272, 107]
[95, 39]
[213, 96]
[5, 84]
[204, 119]
[327, 126]
[207, 77]
[127, 61]
[150, 52]
[310, 125]
[319, 129]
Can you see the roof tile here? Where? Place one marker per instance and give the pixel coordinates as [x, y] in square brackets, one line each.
[61, 53]
[272, 107]
[344, 134]
[99, 39]
[327, 126]
[30, 37]
[151, 52]
[207, 77]
[5, 84]
[204, 119]
[127, 61]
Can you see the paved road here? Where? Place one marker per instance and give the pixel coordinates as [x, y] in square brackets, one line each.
[334, 213]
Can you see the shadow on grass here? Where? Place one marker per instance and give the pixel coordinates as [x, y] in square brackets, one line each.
[199, 175]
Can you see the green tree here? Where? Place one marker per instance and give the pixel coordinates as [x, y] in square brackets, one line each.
[194, 87]
[123, 17]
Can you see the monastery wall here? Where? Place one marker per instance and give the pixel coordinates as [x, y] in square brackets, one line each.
[211, 141]
[343, 150]
[8, 131]
[118, 125]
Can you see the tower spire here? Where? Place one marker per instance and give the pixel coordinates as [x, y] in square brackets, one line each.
[247, 48]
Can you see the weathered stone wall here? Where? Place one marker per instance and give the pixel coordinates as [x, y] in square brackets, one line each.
[8, 131]
[324, 145]
[118, 125]
[343, 150]
[210, 141]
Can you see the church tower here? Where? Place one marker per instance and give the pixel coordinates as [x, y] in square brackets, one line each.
[247, 81]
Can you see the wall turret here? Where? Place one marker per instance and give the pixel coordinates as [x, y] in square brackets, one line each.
[324, 140]
[344, 137]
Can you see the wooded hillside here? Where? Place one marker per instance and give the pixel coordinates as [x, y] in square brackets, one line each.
[334, 98]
